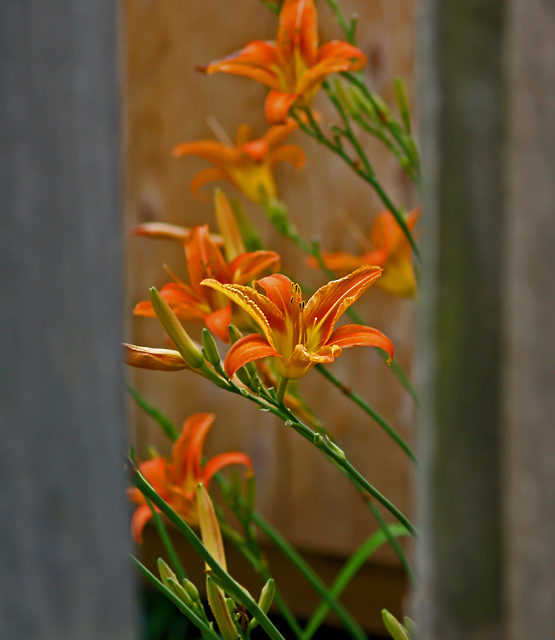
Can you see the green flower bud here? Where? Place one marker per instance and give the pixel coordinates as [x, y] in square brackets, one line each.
[209, 347]
[395, 628]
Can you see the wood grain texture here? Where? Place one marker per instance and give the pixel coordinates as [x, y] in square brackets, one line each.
[64, 532]
[167, 103]
[529, 315]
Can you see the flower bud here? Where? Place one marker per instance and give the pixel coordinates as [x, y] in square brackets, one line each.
[177, 334]
[217, 602]
[191, 589]
[180, 592]
[265, 600]
[209, 347]
[165, 571]
[401, 95]
[395, 628]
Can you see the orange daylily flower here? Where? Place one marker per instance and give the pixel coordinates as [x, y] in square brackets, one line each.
[294, 66]
[205, 259]
[392, 251]
[299, 336]
[175, 479]
[249, 164]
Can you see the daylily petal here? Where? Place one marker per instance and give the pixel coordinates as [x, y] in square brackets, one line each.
[340, 49]
[289, 153]
[204, 177]
[302, 360]
[250, 265]
[257, 61]
[204, 259]
[298, 30]
[187, 450]
[278, 289]
[154, 359]
[161, 230]
[259, 308]
[328, 303]
[214, 152]
[276, 135]
[312, 78]
[243, 135]
[245, 350]
[219, 321]
[354, 335]
[222, 460]
[277, 105]
[141, 516]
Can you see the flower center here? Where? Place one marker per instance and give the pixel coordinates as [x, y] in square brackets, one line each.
[297, 305]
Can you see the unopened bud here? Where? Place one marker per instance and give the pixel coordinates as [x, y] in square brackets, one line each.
[165, 571]
[191, 589]
[180, 592]
[177, 334]
[265, 600]
[209, 347]
[218, 604]
[395, 628]
[401, 95]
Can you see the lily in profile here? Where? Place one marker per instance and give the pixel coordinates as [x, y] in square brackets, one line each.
[390, 250]
[298, 335]
[249, 164]
[175, 479]
[294, 66]
[205, 259]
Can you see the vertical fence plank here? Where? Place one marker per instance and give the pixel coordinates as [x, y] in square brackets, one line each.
[530, 319]
[460, 552]
[64, 527]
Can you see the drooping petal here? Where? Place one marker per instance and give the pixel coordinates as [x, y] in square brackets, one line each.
[355, 335]
[206, 176]
[277, 105]
[343, 50]
[257, 61]
[245, 350]
[328, 303]
[223, 460]
[218, 322]
[289, 153]
[141, 516]
[250, 265]
[161, 230]
[266, 315]
[214, 152]
[154, 359]
[187, 450]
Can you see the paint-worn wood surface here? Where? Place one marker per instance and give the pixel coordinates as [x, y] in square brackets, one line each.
[167, 102]
[64, 532]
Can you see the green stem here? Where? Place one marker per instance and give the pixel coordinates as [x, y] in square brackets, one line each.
[310, 576]
[205, 629]
[228, 584]
[347, 573]
[166, 541]
[369, 410]
[282, 386]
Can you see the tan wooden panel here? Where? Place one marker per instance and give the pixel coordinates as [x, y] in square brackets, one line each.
[166, 102]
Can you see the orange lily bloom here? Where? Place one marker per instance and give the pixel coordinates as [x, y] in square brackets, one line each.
[205, 260]
[296, 334]
[249, 164]
[392, 251]
[176, 479]
[294, 66]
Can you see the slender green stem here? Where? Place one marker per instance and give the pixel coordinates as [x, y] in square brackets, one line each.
[310, 576]
[166, 541]
[205, 629]
[228, 584]
[282, 386]
[369, 410]
[341, 460]
[349, 570]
